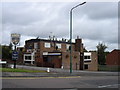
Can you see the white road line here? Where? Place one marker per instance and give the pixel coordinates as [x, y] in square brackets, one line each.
[104, 86]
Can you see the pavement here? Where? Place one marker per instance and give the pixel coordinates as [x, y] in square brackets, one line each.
[55, 72]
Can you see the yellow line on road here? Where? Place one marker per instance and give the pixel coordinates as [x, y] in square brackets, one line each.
[37, 77]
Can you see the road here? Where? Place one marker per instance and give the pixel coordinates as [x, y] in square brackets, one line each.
[61, 82]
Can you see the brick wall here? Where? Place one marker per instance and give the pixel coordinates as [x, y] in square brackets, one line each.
[93, 66]
[113, 58]
[75, 60]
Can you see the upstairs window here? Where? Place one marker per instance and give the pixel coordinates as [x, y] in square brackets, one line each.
[87, 57]
[35, 45]
[68, 46]
[47, 45]
[58, 45]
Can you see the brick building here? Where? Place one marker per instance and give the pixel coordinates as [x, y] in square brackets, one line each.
[56, 54]
[20, 55]
[90, 61]
[113, 58]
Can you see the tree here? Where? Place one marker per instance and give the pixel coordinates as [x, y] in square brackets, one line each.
[10, 46]
[6, 52]
[85, 50]
[0, 51]
[101, 53]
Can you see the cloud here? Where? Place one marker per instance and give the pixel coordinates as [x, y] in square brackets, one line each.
[105, 30]
[93, 21]
[98, 11]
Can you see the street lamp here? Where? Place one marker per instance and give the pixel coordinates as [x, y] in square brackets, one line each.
[71, 34]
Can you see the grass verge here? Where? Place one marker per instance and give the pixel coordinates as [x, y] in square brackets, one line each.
[20, 70]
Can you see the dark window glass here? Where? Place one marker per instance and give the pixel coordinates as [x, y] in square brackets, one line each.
[86, 57]
[28, 57]
[28, 62]
[86, 66]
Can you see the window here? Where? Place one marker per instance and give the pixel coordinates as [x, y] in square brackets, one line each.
[27, 57]
[58, 45]
[86, 66]
[68, 46]
[35, 45]
[86, 57]
[47, 45]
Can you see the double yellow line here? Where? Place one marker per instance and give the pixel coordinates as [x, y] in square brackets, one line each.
[37, 77]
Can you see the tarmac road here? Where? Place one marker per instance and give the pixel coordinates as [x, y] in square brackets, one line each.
[61, 82]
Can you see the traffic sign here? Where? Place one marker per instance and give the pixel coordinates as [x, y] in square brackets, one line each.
[14, 55]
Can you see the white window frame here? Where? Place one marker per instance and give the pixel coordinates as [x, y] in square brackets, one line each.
[35, 45]
[28, 59]
[47, 45]
[67, 46]
[87, 54]
[59, 45]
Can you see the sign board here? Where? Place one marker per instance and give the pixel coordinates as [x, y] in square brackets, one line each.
[45, 53]
[15, 38]
[14, 55]
[52, 54]
[55, 54]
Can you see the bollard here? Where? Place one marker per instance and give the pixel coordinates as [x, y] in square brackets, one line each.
[48, 69]
[61, 67]
[12, 66]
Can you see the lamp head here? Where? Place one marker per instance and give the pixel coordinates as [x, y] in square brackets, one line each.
[82, 3]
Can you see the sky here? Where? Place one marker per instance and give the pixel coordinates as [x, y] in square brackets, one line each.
[94, 22]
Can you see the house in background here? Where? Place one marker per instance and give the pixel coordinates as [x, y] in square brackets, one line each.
[113, 58]
[20, 55]
[90, 61]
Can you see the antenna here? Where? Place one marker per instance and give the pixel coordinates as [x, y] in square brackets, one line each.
[51, 36]
[77, 37]
[37, 37]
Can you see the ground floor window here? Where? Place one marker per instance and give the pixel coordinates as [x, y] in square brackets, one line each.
[86, 66]
[27, 57]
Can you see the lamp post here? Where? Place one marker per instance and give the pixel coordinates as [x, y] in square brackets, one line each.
[71, 34]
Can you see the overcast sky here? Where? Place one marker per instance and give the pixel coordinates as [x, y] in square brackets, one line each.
[94, 22]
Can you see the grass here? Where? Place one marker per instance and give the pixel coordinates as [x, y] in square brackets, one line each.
[108, 68]
[20, 70]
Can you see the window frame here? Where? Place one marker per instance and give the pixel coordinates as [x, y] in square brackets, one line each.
[47, 45]
[59, 45]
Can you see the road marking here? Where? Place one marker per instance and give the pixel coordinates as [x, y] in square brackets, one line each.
[37, 77]
[104, 86]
